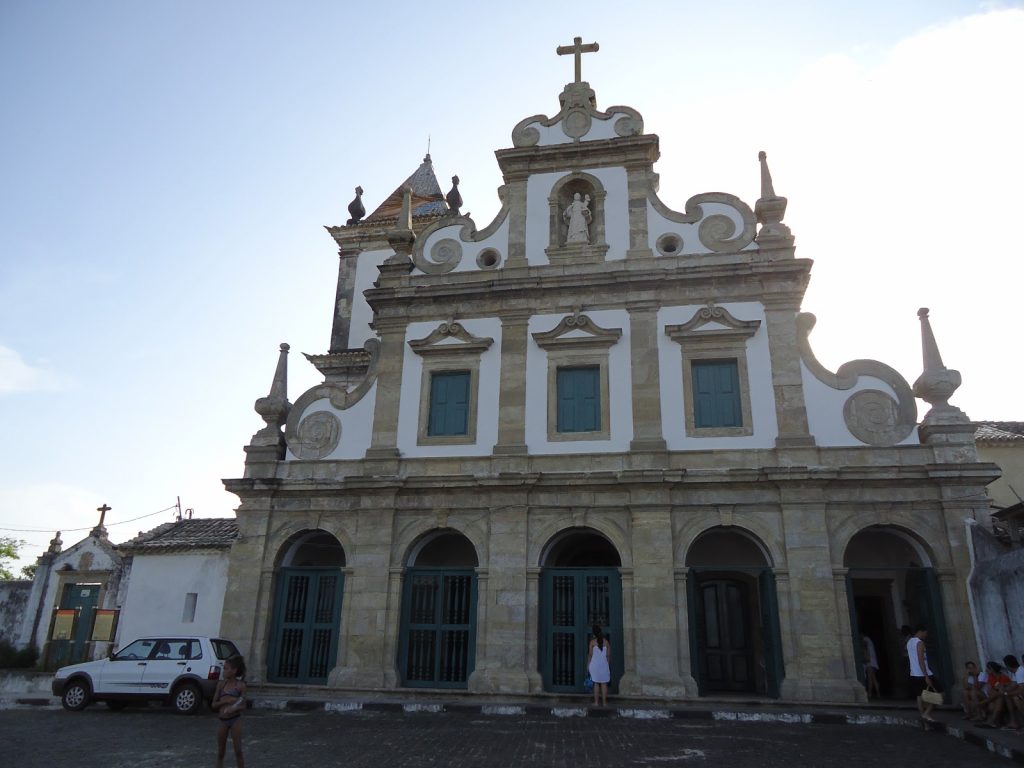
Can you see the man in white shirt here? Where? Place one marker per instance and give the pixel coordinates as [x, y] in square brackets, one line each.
[1014, 692]
[921, 676]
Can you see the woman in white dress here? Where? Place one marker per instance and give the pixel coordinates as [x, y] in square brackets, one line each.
[597, 664]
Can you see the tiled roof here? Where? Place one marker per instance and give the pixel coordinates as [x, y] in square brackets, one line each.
[210, 533]
[427, 198]
[998, 431]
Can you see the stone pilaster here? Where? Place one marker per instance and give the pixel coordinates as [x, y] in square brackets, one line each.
[384, 441]
[348, 258]
[501, 653]
[516, 220]
[814, 668]
[512, 395]
[787, 382]
[655, 642]
[643, 334]
[637, 185]
[685, 659]
[374, 595]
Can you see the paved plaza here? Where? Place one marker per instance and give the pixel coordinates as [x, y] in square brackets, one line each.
[153, 737]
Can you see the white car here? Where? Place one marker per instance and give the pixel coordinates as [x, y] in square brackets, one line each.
[180, 670]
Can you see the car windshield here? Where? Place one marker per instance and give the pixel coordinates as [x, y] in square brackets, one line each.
[140, 649]
[224, 649]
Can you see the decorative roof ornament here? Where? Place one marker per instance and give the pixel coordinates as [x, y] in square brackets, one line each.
[770, 210]
[275, 406]
[453, 198]
[356, 209]
[577, 49]
[937, 383]
[55, 545]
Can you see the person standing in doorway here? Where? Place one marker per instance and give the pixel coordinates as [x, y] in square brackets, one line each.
[871, 668]
[921, 676]
[598, 664]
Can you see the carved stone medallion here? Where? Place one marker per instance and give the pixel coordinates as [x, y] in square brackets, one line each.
[446, 252]
[318, 435]
[871, 416]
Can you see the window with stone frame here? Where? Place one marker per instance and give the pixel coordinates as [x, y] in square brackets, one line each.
[716, 386]
[449, 384]
[578, 406]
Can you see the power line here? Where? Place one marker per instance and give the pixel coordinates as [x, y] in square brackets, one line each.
[88, 527]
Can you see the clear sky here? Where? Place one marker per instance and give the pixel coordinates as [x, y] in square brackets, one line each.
[166, 169]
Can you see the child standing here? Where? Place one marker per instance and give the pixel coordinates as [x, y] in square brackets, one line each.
[598, 665]
[229, 701]
[972, 690]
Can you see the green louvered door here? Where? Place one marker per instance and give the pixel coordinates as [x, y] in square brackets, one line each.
[437, 646]
[307, 615]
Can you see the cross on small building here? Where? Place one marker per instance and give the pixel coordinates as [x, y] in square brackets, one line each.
[103, 513]
[577, 49]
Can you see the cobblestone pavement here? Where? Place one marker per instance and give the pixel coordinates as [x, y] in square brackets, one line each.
[153, 737]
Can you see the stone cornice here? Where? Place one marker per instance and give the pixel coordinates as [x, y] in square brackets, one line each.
[635, 151]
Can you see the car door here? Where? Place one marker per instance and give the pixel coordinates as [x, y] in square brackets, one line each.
[122, 673]
[169, 660]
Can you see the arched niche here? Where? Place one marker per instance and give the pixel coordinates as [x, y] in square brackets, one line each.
[880, 546]
[580, 548]
[562, 194]
[315, 548]
[727, 548]
[442, 548]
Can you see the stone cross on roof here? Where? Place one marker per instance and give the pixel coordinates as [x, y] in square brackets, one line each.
[577, 49]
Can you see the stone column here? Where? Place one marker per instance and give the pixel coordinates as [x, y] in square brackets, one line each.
[512, 395]
[787, 381]
[532, 629]
[814, 671]
[655, 632]
[643, 334]
[384, 442]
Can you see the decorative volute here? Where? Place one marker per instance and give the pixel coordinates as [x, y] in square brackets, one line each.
[770, 209]
[275, 406]
[937, 383]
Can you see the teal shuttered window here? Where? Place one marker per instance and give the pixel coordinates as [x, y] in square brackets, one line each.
[716, 394]
[449, 403]
[579, 399]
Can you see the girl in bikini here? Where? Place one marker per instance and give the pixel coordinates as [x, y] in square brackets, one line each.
[229, 701]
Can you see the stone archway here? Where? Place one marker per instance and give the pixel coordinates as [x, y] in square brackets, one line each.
[437, 635]
[735, 641]
[306, 615]
[891, 587]
[580, 586]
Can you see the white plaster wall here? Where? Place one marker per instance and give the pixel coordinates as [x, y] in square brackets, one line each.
[620, 386]
[658, 225]
[599, 129]
[155, 599]
[361, 317]
[488, 387]
[616, 212]
[759, 371]
[825, 409]
[470, 250]
[356, 426]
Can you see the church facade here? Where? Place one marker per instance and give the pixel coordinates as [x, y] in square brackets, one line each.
[595, 410]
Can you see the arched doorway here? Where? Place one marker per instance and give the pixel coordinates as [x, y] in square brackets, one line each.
[580, 586]
[437, 640]
[890, 584]
[735, 643]
[307, 608]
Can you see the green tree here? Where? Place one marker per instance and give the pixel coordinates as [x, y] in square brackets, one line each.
[8, 551]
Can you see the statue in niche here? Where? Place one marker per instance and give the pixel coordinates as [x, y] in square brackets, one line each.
[578, 216]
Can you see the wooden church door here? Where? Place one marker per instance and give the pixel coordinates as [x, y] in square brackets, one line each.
[304, 641]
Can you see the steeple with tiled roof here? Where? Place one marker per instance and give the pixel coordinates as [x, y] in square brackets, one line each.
[427, 198]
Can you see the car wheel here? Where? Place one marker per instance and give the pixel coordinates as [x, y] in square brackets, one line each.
[76, 695]
[187, 699]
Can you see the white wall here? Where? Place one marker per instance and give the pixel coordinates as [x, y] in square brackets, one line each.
[156, 593]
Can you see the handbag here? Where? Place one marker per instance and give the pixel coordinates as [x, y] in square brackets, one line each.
[588, 684]
[928, 696]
